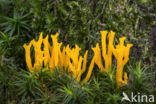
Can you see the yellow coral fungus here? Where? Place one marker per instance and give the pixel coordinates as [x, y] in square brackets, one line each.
[121, 54]
[52, 56]
[75, 62]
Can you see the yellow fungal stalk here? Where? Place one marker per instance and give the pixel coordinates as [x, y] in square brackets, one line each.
[28, 57]
[106, 53]
[38, 53]
[97, 56]
[89, 71]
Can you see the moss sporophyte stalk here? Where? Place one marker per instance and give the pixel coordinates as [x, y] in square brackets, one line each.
[51, 56]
